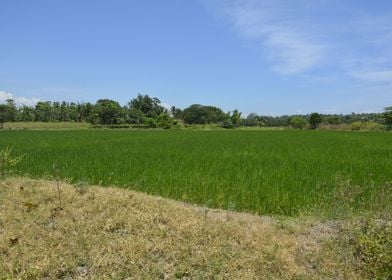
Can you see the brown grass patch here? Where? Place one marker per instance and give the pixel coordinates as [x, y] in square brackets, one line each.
[46, 125]
[111, 233]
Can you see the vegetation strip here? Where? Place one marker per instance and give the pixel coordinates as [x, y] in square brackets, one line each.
[144, 111]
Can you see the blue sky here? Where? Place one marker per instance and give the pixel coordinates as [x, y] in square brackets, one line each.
[265, 56]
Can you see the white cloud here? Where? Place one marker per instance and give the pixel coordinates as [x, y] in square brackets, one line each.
[292, 53]
[291, 47]
[19, 101]
[165, 105]
[313, 38]
[4, 96]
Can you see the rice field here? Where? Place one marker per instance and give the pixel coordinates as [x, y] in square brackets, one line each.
[264, 172]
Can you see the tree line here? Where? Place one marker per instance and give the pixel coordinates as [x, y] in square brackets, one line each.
[146, 111]
[314, 120]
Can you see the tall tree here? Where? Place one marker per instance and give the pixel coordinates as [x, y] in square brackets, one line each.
[11, 110]
[108, 111]
[199, 114]
[150, 107]
[3, 115]
[25, 114]
[176, 112]
[135, 116]
[43, 111]
[236, 118]
[64, 112]
[314, 120]
[387, 115]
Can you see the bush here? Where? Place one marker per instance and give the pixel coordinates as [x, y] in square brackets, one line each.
[164, 121]
[355, 126]
[226, 124]
[298, 122]
[150, 122]
[369, 125]
[372, 243]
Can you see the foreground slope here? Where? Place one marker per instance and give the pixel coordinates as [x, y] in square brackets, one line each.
[120, 234]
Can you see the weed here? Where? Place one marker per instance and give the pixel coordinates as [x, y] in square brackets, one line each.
[8, 162]
[372, 243]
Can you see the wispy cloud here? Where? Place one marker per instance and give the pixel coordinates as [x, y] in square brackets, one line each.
[304, 36]
[19, 100]
[291, 47]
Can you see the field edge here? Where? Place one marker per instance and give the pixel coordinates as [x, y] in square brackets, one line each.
[115, 233]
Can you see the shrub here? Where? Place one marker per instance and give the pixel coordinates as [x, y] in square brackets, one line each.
[369, 125]
[355, 126]
[164, 121]
[226, 123]
[372, 243]
[373, 126]
[298, 122]
[150, 122]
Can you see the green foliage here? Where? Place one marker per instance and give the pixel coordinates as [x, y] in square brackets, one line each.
[108, 112]
[235, 118]
[26, 114]
[355, 126]
[200, 114]
[164, 121]
[11, 110]
[150, 107]
[227, 123]
[387, 116]
[3, 115]
[135, 116]
[368, 125]
[232, 120]
[8, 162]
[7, 112]
[298, 122]
[253, 120]
[372, 243]
[266, 172]
[43, 112]
[250, 120]
[333, 120]
[150, 122]
[314, 120]
[176, 112]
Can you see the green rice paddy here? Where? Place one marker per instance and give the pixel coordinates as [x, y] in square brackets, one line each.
[266, 172]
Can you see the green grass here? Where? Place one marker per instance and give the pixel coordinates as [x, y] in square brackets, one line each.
[265, 172]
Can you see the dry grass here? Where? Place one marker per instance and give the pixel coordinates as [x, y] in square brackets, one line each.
[111, 233]
[46, 125]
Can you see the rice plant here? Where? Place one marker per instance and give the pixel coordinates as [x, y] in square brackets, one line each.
[264, 172]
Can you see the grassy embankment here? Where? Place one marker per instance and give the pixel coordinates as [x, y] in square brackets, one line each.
[46, 125]
[113, 233]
